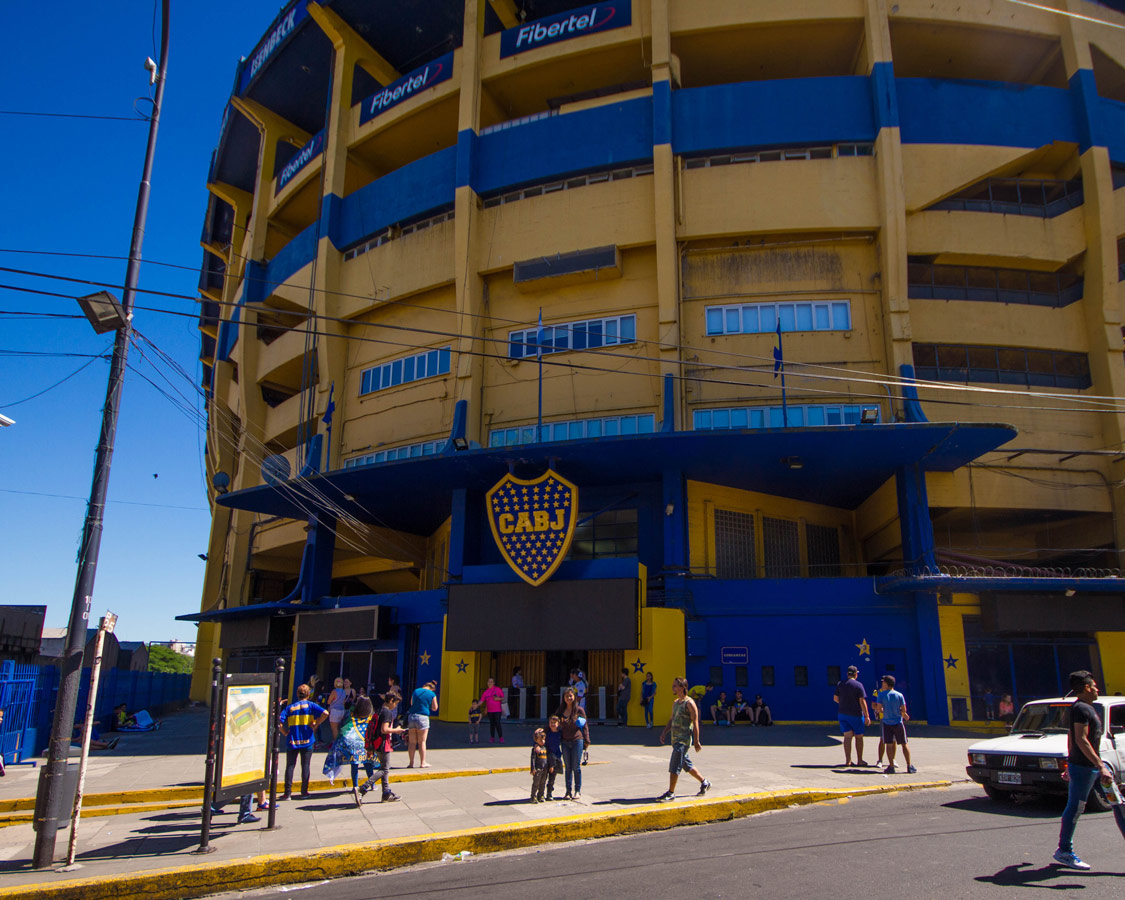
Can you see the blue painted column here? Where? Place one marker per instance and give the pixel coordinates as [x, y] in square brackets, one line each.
[457, 533]
[316, 567]
[918, 556]
[673, 495]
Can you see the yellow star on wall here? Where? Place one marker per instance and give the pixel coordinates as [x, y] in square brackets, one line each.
[425, 659]
[864, 648]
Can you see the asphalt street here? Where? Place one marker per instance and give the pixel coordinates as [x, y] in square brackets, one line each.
[952, 843]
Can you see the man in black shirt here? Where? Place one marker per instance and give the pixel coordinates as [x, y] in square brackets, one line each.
[1085, 766]
[853, 715]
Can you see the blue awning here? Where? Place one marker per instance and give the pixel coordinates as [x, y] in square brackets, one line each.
[837, 466]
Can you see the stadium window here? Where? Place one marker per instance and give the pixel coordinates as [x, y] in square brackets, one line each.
[717, 676]
[833, 676]
[406, 370]
[801, 676]
[961, 363]
[762, 318]
[741, 676]
[586, 335]
[767, 676]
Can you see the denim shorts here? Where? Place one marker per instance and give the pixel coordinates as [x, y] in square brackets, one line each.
[419, 721]
[680, 761]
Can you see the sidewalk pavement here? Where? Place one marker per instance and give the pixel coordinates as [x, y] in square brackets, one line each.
[627, 770]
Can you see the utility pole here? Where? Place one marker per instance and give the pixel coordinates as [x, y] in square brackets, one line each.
[54, 773]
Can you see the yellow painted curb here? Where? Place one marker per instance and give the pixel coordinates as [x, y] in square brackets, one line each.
[352, 859]
[171, 795]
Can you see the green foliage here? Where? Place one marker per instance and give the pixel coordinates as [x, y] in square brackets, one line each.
[164, 659]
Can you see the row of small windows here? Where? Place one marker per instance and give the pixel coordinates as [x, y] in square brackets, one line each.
[566, 184]
[410, 451]
[404, 371]
[1002, 365]
[927, 281]
[799, 416]
[393, 232]
[763, 318]
[800, 676]
[751, 156]
[737, 554]
[578, 429]
[586, 335]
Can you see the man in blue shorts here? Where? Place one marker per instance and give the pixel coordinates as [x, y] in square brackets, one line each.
[892, 705]
[853, 715]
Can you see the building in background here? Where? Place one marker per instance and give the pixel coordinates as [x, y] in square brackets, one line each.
[21, 630]
[132, 655]
[822, 301]
[52, 648]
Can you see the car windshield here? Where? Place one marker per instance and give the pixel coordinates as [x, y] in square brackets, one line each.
[1043, 717]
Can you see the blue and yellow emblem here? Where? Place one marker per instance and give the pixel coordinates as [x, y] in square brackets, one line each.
[533, 523]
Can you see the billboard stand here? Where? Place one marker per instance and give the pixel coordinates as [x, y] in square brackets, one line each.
[278, 686]
[212, 743]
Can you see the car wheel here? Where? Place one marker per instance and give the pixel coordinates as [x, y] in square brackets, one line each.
[994, 793]
[1096, 802]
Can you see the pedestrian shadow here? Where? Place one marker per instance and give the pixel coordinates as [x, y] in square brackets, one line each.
[1022, 875]
[625, 801]
[193, 812]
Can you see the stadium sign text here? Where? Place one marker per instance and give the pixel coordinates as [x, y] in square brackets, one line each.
[563, 27]
[266, 47]
[302, 158]
[408, 86]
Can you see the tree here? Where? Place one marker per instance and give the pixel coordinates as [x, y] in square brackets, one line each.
[165, 659]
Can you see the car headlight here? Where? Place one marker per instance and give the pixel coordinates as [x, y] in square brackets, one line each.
[978, 759]
[1049, 762]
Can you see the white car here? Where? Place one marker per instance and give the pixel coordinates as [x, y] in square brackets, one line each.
[1033, 757]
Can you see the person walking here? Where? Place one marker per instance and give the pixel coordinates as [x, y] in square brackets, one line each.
[361, 719]
[1085, 766]
[648, 697]
[684, 728]
[575, 738]
[379, 743]
[336, 701]
[624, 694]
[299, 721]
[493, 700]
[892, 706]
[422, 702]
[851, 698]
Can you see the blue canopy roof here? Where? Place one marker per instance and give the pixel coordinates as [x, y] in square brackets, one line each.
[837, 466]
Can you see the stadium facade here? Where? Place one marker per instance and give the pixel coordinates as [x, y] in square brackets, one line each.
[813, 308]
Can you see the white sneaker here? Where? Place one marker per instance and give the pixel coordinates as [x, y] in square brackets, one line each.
[1070, 860]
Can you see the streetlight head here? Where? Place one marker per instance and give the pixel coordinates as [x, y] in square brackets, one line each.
[104, 311]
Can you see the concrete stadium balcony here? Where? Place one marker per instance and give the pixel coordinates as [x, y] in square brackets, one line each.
[952, 233]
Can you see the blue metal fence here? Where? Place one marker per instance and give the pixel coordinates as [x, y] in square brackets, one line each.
[28, 692]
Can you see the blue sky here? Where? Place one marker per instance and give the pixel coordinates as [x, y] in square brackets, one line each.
[71, 185]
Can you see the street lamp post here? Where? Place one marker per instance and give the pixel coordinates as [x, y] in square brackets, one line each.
[52, 780]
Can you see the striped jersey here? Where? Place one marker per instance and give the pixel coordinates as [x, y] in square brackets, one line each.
[298, 718]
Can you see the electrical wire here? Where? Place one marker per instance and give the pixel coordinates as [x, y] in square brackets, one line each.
[1097, 403]
[86, 500]
[54, 115]
[57, 383]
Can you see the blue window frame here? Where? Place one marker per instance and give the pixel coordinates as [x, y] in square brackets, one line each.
[762, 318]
[410, 451]
[800, 416]
[403, 371]
[586, 335]
[574, 430]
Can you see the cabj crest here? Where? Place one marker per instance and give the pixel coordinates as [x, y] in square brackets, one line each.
[533, 522]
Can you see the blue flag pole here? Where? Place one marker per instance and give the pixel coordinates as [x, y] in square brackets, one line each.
[779, 367]
[539, 336]
[331, 408]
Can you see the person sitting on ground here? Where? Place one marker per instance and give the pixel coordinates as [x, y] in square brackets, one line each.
[740, 708]
[121, 717]
[760, 710]
[96, 742]
[721, 709]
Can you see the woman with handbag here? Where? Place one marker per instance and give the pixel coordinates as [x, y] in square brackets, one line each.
[575, 740]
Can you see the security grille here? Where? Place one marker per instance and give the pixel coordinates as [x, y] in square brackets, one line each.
[782, 547]
[824, 551]
[734, 545]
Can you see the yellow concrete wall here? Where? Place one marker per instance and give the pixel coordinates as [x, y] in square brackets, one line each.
[663, 651]
[951, 621]
[1111, 648]
[703, 499]
[458, 689]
